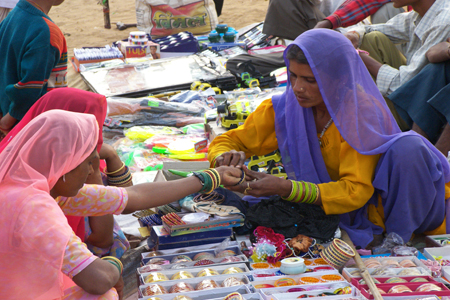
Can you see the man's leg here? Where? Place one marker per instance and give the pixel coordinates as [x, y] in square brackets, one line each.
[384, 51]
[423, 100]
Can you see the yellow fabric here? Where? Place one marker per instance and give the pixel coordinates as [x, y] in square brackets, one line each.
[255, 137]
[351, 189]
[352, 173]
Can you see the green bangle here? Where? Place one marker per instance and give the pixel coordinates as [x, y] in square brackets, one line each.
[115, 264]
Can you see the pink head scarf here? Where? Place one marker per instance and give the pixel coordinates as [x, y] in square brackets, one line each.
[69, 99]
[34, 231]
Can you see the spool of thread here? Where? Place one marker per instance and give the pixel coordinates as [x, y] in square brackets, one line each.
[337, 254]
[138, 35]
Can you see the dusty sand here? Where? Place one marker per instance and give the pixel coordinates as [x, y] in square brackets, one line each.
[83, 24]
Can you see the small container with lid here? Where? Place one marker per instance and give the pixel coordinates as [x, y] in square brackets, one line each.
[293, 265]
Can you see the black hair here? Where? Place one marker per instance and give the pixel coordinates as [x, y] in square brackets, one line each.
[295, 53]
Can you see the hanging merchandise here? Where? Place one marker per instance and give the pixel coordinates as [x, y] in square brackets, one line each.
[165, 17]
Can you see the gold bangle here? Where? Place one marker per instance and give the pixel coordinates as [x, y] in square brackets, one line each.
[214, 160]
[117, 171]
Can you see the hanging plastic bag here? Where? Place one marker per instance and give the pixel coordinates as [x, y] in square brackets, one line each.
[166, 17]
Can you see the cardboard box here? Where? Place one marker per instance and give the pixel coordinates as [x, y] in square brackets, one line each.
[208, 294]
[213, 130]
[196, 270]
[160, 239]
[130, 51]
[190, 249]
[441, 240]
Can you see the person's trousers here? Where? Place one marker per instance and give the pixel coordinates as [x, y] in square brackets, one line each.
[409, 177]
[289, 18]
[424, 99]
[384, 51]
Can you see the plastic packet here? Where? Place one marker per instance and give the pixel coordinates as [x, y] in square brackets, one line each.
[181, 287]
[404, 251]
[196, 218]
[391, 240]
[154, 289]
[182, 275]
[206, 285]
[155, 277]
[382, 271]
[207, 272]
[232, 281]
[222, 246]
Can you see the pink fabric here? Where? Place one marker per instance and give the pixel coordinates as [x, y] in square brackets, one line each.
[34, 230]
[69, 99]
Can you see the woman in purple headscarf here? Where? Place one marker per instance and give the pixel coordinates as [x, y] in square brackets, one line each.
[341, 147]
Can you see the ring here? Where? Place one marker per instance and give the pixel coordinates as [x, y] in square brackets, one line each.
[248, 188]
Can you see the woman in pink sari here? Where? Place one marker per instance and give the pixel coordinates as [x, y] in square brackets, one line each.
[51, 157]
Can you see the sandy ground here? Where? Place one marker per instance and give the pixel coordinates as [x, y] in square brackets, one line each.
[83, 24]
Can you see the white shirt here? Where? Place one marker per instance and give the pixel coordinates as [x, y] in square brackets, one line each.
[418, 35]
[8, 3]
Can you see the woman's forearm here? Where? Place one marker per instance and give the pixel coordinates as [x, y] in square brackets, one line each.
[153, 194]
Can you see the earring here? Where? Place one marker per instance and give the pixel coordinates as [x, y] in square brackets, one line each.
[64, 177]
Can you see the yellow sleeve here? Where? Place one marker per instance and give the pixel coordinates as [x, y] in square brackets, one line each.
[353, 173]
[256, 137]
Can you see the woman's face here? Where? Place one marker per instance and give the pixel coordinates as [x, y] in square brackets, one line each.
[304, 85]
[73, 181]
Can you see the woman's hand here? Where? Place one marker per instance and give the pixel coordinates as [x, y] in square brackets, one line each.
[231, 158]
[229, 176]
[262, 184]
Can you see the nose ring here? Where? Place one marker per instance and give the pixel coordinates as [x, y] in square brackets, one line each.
[302, 90]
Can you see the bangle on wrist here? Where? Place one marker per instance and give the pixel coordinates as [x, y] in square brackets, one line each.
[116, 171]
[115, 261]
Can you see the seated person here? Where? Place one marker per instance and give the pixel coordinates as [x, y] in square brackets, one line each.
[352, 12]
[417, 31]
[41, 173]
[341, 146]
[104, 232]
[423, 101]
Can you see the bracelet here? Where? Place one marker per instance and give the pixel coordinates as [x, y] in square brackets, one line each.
[115, 261]
[216, 173]
[304, 192]
[242, 178]
[114, 172]
[213, 164]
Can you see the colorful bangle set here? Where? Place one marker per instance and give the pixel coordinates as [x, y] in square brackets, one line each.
[304, 192]
[211, 180]
[115, 261]
[172, 219]
[120, 180]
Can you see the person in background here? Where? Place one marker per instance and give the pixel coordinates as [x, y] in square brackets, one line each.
[34, 59]
[423, 101]
[5, 8]
[51, 158]
[288, 18]
[341, 147]
[352, 12]
[103, 235]
[418, 30]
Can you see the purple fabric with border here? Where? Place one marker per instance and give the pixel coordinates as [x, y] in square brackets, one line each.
[358, 110]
